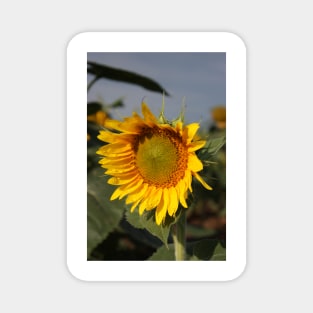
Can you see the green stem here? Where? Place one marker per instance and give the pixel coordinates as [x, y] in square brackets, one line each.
[179, 237]
[92, 82]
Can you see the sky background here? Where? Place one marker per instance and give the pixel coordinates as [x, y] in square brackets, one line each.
[199, 78]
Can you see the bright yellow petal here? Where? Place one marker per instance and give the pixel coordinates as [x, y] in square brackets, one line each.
[137, 194]
[117, 172]
[155, 198]
[200, 179]
[173, 203]
[117, 161]
[194, 164]
[107, 136]
[195, 145]
[181, 189]
[123, 190]
[143, 204]
[134, 206]
[147, 114]
[161, 210]
[189, 131]
[121, 181]
[114, 148]
[131, 187]
[132, 128]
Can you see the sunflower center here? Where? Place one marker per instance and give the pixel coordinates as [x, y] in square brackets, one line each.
[161, 158]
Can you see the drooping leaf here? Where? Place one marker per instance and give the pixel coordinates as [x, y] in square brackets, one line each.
[107, 72]
[164, 254]
[93, 107]
[212, 146]
[117, 103]
[219, 253]
[147, 221]
[208, 249]
[103, 215]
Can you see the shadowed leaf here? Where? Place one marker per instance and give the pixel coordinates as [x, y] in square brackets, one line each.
[104, 71]
[103, 215]
[147, 221]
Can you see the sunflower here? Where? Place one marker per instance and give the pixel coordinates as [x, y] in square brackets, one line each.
[151, 162]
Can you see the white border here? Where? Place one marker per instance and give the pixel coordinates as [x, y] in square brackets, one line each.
[76, 156]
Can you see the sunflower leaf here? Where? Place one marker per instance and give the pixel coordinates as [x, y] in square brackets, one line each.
[208, 249]
[212, 146]
[104, 71]
[164, 254]
[103, 215]
[147, 221]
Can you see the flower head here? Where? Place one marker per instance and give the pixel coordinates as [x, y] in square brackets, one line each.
[218, 114]
[151, 162]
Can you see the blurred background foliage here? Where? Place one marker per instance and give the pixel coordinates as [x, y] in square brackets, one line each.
[116, 234]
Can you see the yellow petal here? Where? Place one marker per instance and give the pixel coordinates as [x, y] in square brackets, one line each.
[122, 180]
[181, 189]
[173, 201]
[132, 128]
[194, 164]
[161, 210]
[114, 148]
[123, 190]
[189, 131]
[143, 204]
[200, 179]
[137, 194]
[131, 187]
[147, 114]
[107, 136]
[195, 145]
[155, 198]
[117, 161]
[134, 206]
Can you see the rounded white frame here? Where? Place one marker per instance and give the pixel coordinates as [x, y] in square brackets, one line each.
[77, 51]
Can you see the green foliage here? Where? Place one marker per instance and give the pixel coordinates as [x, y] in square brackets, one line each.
[113, 231]
[103, 215]
[204, 250]
[212, 146]
[147, 221]
[104, 71]
[164, 254]
[208, 250]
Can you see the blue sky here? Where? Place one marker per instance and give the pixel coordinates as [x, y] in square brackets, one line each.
[200, 78]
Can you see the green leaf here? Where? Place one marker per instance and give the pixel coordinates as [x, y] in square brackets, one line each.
[147, 221]
[198, 232]
[212, 146]
[164, 254]
[93, 107]
[219, 253]
[103, 215]
[209, 249]
[117, 103]
[104, 71]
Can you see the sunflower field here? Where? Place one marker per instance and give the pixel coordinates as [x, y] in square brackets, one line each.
[156, 188]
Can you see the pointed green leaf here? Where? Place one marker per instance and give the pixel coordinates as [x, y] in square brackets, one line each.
[164, 254]
[103, 215]
[93, 107]
[212, 146]
[147, 221]
[209, 249]
[104, 71]
[219, 253]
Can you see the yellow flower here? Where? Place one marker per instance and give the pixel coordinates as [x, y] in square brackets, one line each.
[98, 118]
[151, 162]
[218, 114]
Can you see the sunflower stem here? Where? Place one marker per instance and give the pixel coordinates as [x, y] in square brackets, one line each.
[179, 237]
